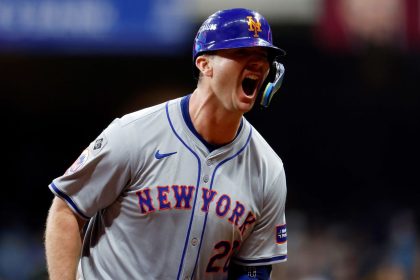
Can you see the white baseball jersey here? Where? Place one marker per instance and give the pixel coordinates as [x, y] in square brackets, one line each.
[162, 206]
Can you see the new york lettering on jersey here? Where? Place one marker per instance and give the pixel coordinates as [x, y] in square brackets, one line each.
[162, 198]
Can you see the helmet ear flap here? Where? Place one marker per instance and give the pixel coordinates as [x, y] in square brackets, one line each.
[273, 83]
[273, 71]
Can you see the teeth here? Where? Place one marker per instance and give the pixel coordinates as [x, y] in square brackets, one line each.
[252, 77]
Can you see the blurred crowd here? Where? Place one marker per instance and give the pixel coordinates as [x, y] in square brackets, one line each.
[343, 251]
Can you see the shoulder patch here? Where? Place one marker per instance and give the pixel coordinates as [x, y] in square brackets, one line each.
[97, 145]
[80, 161]
[281, 234]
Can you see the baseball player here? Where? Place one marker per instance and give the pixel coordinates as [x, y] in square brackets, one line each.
[187, 189]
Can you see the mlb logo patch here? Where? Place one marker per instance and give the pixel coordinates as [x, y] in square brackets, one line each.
[281, 234]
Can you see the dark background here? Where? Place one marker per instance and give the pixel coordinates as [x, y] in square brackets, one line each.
[345, 123]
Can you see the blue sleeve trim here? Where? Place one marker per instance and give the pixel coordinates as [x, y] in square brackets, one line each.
[68, 200]
[269, 260]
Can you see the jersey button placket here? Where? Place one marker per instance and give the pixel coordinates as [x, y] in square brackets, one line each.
[197, 225]
[194, 241]
[205, 178]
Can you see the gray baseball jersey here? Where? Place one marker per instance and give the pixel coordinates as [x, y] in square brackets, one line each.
[161, 206]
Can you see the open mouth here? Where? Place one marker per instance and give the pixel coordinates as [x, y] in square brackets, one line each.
[249, 84]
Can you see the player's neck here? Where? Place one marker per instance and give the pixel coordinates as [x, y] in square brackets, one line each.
[215, 125]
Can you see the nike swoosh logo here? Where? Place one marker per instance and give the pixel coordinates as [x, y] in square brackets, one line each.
[158, 155]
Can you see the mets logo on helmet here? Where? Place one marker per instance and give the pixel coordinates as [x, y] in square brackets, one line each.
[254, 26]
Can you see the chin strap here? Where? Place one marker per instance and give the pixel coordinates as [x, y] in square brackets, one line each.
[273, 87]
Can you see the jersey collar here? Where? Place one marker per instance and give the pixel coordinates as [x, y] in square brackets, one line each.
[185, 102]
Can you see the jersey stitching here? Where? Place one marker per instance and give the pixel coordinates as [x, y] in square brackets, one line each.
[211, 186]
[197, 188]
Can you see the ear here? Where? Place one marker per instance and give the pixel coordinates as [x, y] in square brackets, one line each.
[203, 63]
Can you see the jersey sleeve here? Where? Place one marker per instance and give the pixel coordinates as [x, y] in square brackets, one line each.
[267, 243]
[99, 175]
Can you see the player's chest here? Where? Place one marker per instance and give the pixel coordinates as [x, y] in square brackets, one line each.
[173, 163]
[219, 187]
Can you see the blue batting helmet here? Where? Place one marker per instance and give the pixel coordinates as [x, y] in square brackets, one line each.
[234, 28]
[240, 28]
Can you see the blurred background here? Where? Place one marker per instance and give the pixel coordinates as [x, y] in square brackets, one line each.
[346, 122]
